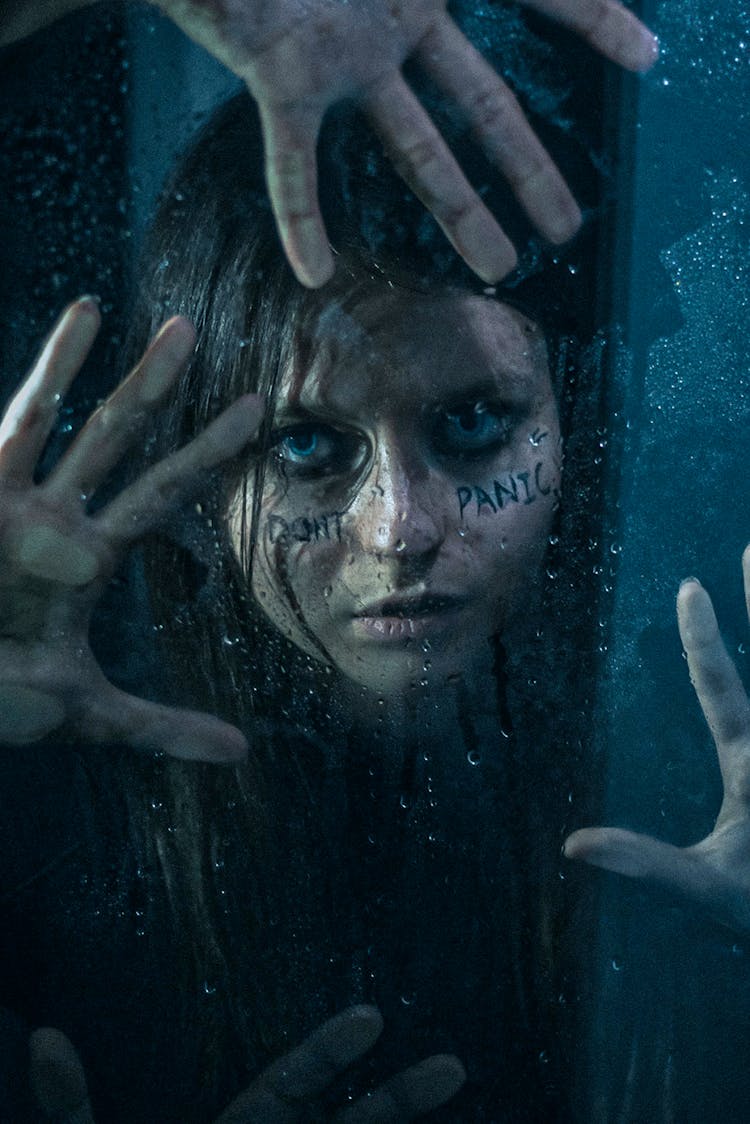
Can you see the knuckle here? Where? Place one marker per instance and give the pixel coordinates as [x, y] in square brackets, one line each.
[418, 156]
[493, 108]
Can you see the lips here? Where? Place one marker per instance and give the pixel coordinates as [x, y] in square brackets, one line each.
[407, 617]
[411, 607]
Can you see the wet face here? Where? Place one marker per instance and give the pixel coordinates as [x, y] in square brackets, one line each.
[410, 488]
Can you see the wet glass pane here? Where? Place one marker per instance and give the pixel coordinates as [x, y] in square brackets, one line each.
[426, 574]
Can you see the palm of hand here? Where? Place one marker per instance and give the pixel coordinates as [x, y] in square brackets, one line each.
[298, 57]
[56, 558]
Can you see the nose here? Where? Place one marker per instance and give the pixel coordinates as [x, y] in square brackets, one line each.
[397, 512]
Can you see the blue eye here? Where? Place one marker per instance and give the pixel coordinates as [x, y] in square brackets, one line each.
[472, 427]
[311, 449]
[300, 445]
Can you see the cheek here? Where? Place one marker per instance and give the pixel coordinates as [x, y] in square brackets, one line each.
[504, 520]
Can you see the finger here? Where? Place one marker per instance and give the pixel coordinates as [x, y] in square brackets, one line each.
[29, 418]
[141, 506]
[419, 1089]
[746, 577]
[681, 870]
[290, 135]
[57, 1079]
[424, 161]
[112, 428]
[607, 26]
[112, 715]
[501, 128]
[717, 684]
[280, 1092]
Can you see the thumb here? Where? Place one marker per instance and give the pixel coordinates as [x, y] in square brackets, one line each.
[58, 1082]
[114, 715]
[684, 871]
[628, 853]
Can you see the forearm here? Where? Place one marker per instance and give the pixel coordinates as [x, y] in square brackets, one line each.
[19, 18]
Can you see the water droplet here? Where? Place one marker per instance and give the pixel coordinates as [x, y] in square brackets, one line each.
[616, 965]
[426, 646]
[407, 1000]
[209, 988]
[462, 532]
[400, 546]
[473, 757]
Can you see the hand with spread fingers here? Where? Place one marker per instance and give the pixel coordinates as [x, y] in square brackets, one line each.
[714, 873]
[284, 1093]
[56, 558]
[298, 57]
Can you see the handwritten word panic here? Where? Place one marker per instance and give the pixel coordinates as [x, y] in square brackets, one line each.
[305, 529]
[517, 487]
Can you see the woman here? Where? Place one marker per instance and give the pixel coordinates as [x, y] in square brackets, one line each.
[344, 595]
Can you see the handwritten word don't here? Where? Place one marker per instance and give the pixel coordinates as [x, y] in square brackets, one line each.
[305, 528]
[516, 487]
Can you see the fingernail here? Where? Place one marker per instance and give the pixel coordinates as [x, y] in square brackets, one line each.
[646, 52]
[563, 220]
[311, 251]
[686, 581]
[94, 303]
[482, 244]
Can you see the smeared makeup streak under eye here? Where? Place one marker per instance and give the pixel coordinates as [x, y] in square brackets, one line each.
[281, 569]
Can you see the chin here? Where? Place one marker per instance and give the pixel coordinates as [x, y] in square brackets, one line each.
[411, 671]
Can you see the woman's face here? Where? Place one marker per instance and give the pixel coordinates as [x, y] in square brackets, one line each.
[412, 480]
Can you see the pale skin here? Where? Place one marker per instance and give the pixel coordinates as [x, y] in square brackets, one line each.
[299, 57]
[56, 560]
[425, 393]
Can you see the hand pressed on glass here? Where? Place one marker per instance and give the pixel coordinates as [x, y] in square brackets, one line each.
[299, 59]
[286, 1091]
[57, 559]
[714, 873]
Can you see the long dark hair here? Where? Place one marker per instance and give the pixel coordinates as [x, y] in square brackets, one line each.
[214, 256]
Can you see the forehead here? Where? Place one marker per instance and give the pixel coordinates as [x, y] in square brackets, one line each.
[402, 351]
